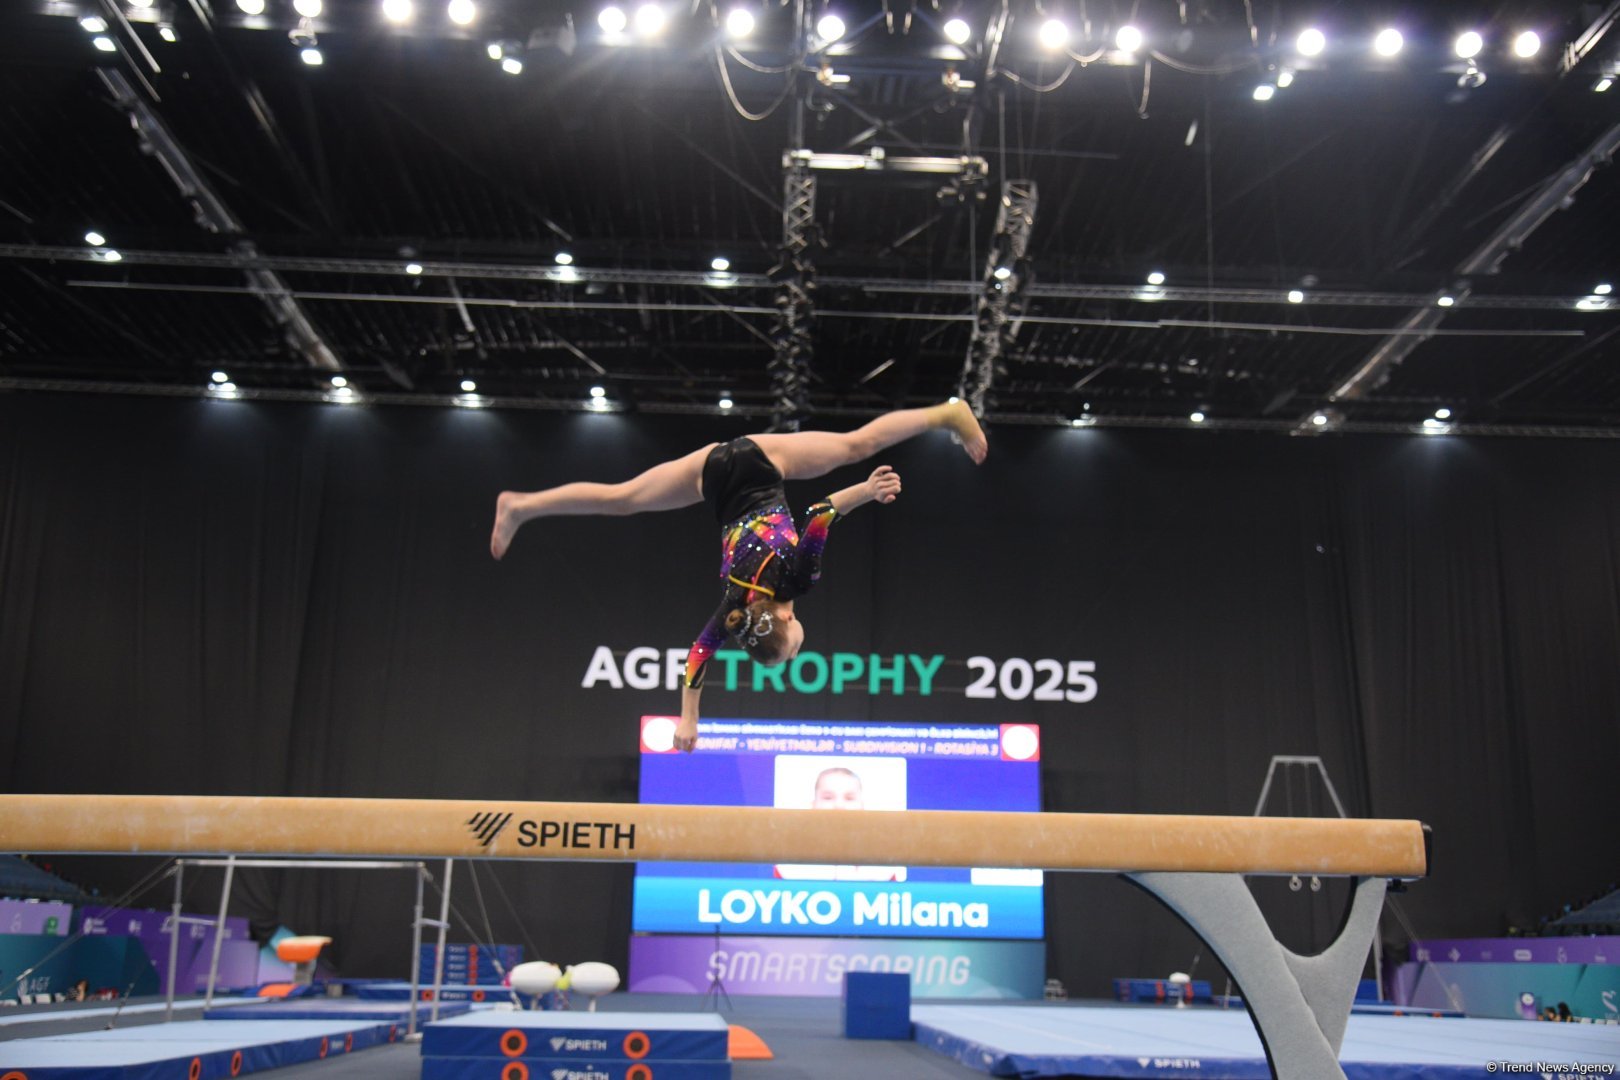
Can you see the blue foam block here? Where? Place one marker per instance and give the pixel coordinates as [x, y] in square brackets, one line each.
[877, 1005]
[533, 1036]
[454, 1068]
[330, 1009]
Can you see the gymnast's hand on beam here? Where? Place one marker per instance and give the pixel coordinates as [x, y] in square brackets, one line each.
[686, 732]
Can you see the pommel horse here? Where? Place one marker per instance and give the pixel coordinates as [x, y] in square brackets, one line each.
[1193, 864]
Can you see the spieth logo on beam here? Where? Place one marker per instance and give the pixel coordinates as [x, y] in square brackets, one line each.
[602, 835]
[486, 827]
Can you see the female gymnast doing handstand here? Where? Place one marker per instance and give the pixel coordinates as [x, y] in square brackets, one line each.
[764, 562]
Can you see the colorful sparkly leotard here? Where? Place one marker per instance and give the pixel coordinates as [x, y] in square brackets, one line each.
[762, 556]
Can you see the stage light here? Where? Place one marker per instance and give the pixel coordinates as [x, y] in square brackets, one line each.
[1442, 414]
[612, 20]
[1603, 84]
[1590, 303]
[220, 377]
[650, 19]
[1197, 418]
[1468, 45]
[251, 7]
[1295, 296]
[1128, 39]
[1388, 42]
[1285, 79]
[494, 50]
[1264, 92]
[462, 12]
[111, 255]
[1431, 426]
[398, 12]
[739, 22]
[339, 382]
[564, 259]
[312, 56]
[93, 24]
[94, 239]
[830, 28]
[1527, 44]
[1446, 301]
[1156, 278]
[598, 392]
[1002, 273]
[140, 5]
[1320, 419]
[468, 386]
[719, 264]
[413, 268]
[166, 32]
[1054, 34]
[1603, 289]
[105, 44]
[1311, 42]
[512, 65]
[309, 9]
[957, 31]
[726, 403]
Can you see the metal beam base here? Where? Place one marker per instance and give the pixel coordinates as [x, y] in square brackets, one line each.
[1300, 1004]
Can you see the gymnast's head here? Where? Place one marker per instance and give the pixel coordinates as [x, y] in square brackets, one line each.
[768, 631]
[838, 789]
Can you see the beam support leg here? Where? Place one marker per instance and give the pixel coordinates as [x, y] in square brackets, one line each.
[1300, 1004]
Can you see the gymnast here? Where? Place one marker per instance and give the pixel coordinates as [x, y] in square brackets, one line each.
[765, 563]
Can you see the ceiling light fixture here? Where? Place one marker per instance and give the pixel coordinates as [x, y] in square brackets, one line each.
[1527, 45]
[1446, 301]
[598, 392]
[413, 268]
[1054, 34]
[1388, 42]
[1264, 92]
[1468, 44]
[720, 264]
[251, 7]
[1285, 79]
[612, 20]
[93, 24]
[1311, 42]
[166, 32]
[957, 31]
[650, 19]
[726, 403]
[1128, 39]
[94, 239]
[105, 44]
[1295, 296]
[462, 12]
[564, 259]
[1156, 278]
[830, 28]
[1603, 289]
[398, 12]
[309, 9]
[1198, 417]
[512, 65]
[1603, 84]
[312, 56]
[739, 22]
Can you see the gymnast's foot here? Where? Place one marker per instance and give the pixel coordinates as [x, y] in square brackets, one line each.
[686, 735]
[506, 524]
[959, 418]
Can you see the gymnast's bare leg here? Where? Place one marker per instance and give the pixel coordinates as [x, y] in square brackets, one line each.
[805, 455]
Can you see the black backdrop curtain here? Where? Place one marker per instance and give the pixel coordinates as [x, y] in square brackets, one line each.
[233, 597]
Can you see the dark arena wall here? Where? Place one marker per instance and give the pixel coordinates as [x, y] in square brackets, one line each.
[239, 597]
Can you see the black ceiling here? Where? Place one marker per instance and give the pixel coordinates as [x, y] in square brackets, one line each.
[1365, 184]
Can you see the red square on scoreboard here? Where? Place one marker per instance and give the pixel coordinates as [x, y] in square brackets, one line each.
[1020, 742]
[658, 734]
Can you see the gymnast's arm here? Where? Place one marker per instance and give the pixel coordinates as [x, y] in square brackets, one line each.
[697, 663]
[882, 487]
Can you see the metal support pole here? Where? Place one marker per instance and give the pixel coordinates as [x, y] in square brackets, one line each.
[1002, 296]
[174, 942]
[416, 953]
[444, 925]
[219, 931]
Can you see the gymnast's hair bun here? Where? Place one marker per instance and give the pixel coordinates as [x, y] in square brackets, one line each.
[737, 621]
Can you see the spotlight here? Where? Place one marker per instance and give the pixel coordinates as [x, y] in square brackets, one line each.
[225, 389]
[1431, 426]
[468, 386]
[719, 264]
[94, 239]
[1265, 92]
[1311, 42]
[1002, 273]
[494, 50]
[1527, 44]
[1388, 42]
[1197, 417]
[309, 9]
[612, 20]
[1603, 289]
[830, 28]
[1053, 34]
[739, 22]
[312, 56]
[1128, 39]
[512, 65]
[220, 377]
[598, 392]
[1603, 84]
[1156, 278]
[1468, 45]
[111, 255]
[1285, 79]
[93, 24]
[1446, 301]
[1319, 419]
[339, 382]
[398, 11]
[1295, 296]
[726, 403]
[105, 44]
[1585, 303]
[413, 268]
[140, 5]
[650, 19]
[462, 12]
[251, 7]
[166, 32]
[1442, 414]
[957, 31]
[564, 259]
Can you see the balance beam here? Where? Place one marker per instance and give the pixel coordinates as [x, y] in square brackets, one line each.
[628, 832]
